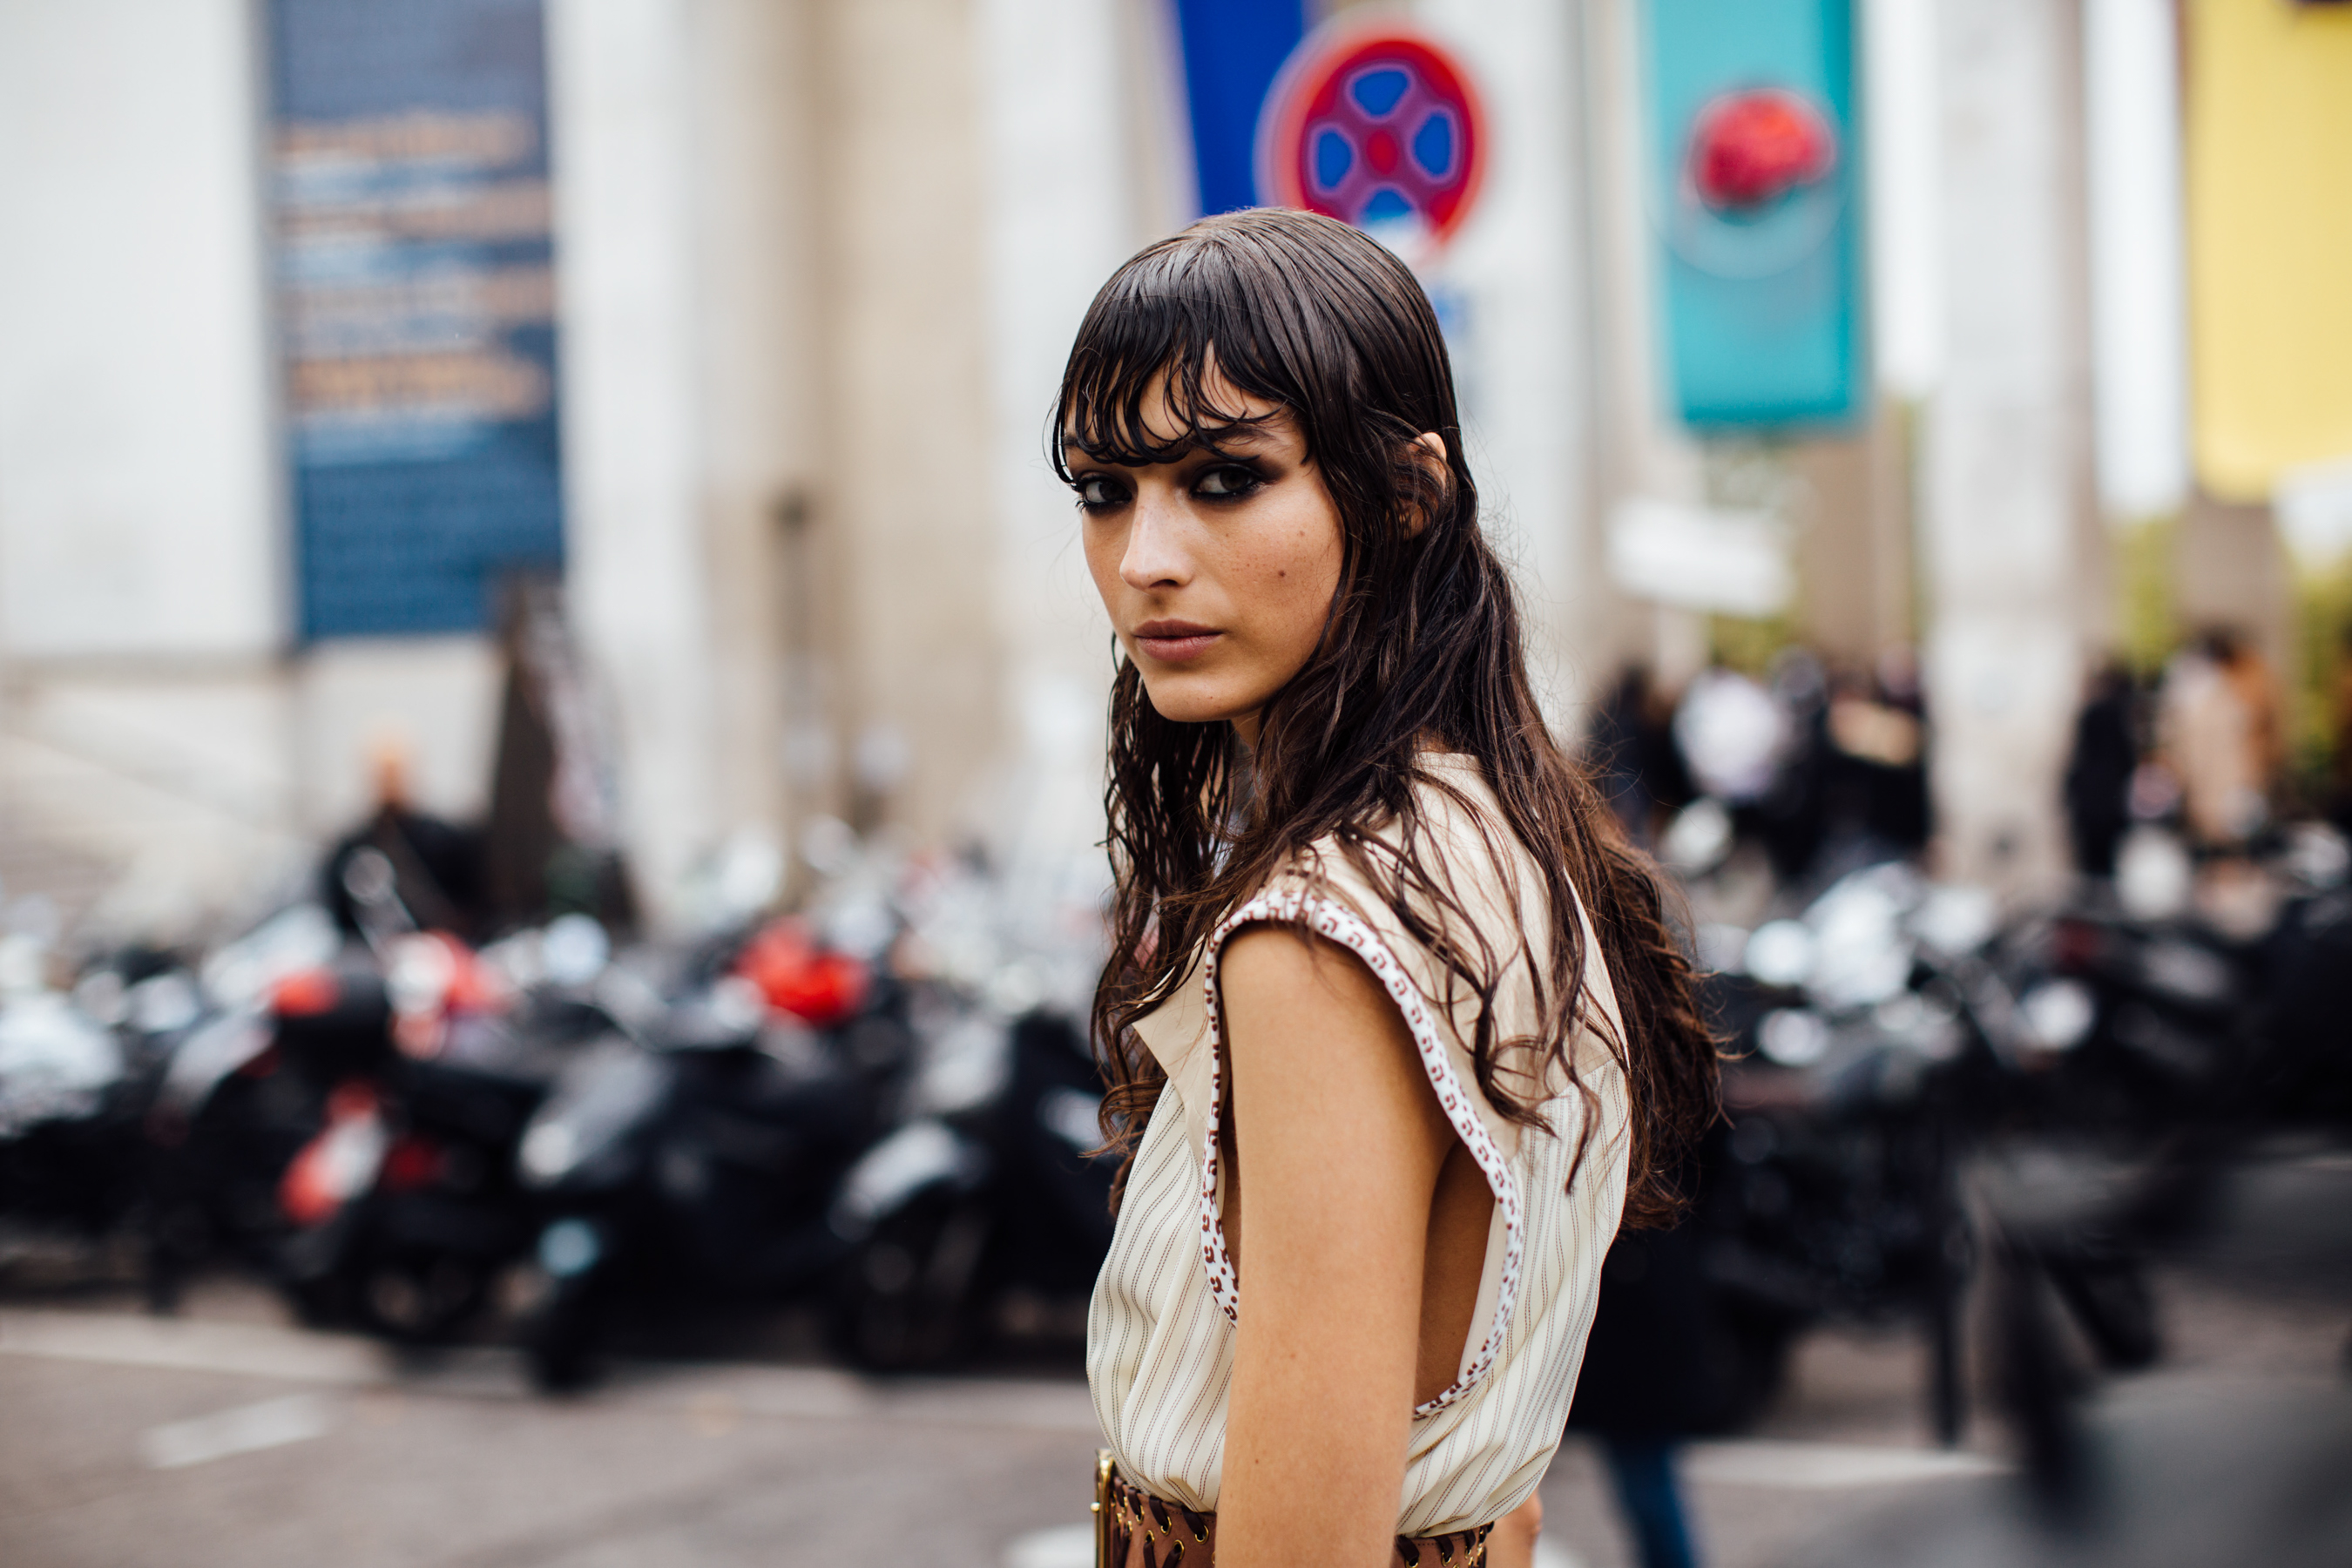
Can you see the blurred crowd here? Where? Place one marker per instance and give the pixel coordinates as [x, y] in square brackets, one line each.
[1820, 765]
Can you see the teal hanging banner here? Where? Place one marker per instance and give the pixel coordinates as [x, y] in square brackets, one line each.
[1756, 181]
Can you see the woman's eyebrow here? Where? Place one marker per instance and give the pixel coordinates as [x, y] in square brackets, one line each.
[1219, 439]
[1073, 448]
[1240, 432]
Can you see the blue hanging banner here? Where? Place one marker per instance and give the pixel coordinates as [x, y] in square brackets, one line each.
[1233, 50]
[416, 299]
[1756, 181]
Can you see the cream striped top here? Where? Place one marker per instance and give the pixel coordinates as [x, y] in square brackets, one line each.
[1159, 1333]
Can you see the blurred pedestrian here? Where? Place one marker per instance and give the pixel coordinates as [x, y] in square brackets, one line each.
[1656, 1372]
[1731, 735]
[1372, 1065]
[436, 865]
[1874, 779]
[2099, 771]
[1631, 753]
[1793, 815]
[2220, 723]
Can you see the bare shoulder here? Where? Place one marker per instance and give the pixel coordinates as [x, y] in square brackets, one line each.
[1326, 1081]
[1307, 1018]
[1271, 966]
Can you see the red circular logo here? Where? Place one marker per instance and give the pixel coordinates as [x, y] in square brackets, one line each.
[1377, 127]
[1749, 149]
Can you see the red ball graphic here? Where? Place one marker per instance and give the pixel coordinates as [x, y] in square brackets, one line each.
[1748, 149]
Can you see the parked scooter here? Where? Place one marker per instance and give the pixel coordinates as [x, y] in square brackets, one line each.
[75, 1073]
[407, 1206]
[699, 1151]
[289, 1014]
[986, 1186]
[327, 1070]
[1874, 1039]
[2153, 1025]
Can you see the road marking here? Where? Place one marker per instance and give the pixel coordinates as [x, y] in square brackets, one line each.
[246, 1429]
[347, 1361]
[1073, 1546]
[1824, 1467]
[189, 1344]
[1063, 1546]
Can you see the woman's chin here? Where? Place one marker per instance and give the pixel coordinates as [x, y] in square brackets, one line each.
[1184, 702]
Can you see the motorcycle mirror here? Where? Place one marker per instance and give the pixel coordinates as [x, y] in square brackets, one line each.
[369, 878]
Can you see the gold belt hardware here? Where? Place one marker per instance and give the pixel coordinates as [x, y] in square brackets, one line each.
[1104, 1469]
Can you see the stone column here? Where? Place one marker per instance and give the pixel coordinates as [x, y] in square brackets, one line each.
[622, 91]
[1522, 279]
[1067, 202]
[2008, 532]
[905, 515]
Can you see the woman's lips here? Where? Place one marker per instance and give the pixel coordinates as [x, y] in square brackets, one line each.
[1174, 642]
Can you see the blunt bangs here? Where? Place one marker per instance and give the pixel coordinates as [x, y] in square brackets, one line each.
[1162, 345]
[1279, 307]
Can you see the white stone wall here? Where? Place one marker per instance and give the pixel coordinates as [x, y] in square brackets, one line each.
[166, 761]
[142, 722]
[139, 510]
[2139, 310]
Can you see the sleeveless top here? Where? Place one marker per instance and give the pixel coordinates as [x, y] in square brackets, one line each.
[1159, 1332]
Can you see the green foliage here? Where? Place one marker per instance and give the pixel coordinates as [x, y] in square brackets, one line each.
[2323, 625]
[1748, 644]
[2148, 616]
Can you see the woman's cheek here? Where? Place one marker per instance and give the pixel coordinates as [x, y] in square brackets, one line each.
[1102, 546]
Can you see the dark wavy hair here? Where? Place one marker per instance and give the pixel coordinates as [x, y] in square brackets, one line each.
[1422, 646]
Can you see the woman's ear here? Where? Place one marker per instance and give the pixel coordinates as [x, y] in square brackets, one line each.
[1428, 454]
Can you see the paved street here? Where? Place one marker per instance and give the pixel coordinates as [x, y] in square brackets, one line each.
[228, 1436]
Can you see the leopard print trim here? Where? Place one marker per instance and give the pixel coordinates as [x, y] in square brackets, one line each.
[1330, 920]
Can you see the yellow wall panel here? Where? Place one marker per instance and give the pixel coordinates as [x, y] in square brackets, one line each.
[2270, 238]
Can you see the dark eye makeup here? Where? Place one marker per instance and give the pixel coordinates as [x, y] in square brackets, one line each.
[1227, 481]
[1217, 481]
[1098, 492]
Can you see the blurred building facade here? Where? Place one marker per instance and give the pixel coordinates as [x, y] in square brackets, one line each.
[815, 266]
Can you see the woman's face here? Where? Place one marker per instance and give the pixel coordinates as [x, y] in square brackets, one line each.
[1218, 568]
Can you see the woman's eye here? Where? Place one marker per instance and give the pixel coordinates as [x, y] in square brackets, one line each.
[1226, 483]
[1097, 492]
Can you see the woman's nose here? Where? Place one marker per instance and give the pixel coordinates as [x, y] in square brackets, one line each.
[1155, 555]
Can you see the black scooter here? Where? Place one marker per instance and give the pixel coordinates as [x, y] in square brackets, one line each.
[697, 1154]
[72, 1091]
[241, 1095]
[988, 1187]
[2171, 1021]
[408, 1205]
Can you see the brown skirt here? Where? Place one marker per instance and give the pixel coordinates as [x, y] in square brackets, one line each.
[1135, 1530]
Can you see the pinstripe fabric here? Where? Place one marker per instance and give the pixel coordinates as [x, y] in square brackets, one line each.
[1159, 1333]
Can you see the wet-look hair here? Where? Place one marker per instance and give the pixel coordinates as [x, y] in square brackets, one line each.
[1422, 649]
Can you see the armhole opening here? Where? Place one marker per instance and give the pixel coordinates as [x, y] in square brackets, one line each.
[1329, 919]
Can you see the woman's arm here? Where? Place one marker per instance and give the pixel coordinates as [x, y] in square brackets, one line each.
[1339, 1144]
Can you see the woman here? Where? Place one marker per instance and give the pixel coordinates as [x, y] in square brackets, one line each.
[1375, 1070]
